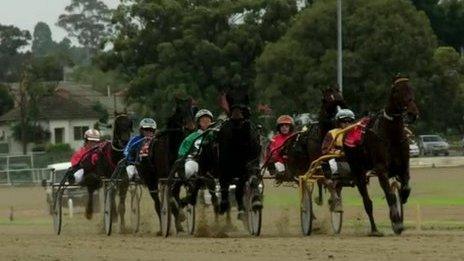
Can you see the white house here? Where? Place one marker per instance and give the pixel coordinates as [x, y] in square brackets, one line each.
[63, 118]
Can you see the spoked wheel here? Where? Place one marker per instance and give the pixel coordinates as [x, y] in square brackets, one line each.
[306, 209]
[336, 219]
[395, 188]
[108, 208]
[253, 217]
[57, 210]
[190, 211]
[135, 196]
[165, 210]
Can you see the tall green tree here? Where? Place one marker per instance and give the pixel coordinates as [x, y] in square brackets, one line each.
[35, 84]
[12, 39]
[443, 109]
[88, 21]
[194, 47]
[446, 18]
[42, 42]
[381, 38]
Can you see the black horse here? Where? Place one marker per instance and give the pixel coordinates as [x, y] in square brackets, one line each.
[238, 148]
[162, 151]
[109, 154]
[385, 151]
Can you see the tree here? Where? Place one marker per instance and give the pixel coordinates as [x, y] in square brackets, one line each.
[35, 84]
[6, 101]
[381, 38]
[446, 18]
[42, 43]
[87, 21]
[443, 110]
[11, 40]
[193, 47]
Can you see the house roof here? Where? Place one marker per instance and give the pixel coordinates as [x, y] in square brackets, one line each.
[56, 107]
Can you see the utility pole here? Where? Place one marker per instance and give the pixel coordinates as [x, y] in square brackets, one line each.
[339, 45]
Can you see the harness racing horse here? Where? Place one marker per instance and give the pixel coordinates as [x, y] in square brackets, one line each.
[385, 151]
[239, 148]
[109, 154]
[162, 152]
[305, 146]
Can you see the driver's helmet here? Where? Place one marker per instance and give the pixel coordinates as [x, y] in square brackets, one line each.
[92, 134]
[147, 123]
[285, 119]
[201, 113]
[344, 115]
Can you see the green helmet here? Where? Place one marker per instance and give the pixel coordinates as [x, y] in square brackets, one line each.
[203, 112]
[147, 123]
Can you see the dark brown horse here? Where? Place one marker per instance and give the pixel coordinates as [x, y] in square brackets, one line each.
[163, 151]
[385, 151]
[305, 146]
[109, 154]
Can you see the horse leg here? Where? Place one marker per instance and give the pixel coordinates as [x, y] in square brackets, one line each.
[361, 184]
[89, 206]
[391, 200]
[224, 206]
[179, 216]
[404, 179]
[123, 187]
[153, 190]
[334, 201]
[211, 186]
[239, 192]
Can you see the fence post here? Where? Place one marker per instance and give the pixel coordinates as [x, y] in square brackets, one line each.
[8, 179]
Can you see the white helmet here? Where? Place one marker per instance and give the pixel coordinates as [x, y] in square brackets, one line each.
[92, 134]
[344, 114]
[203, 112]
[148, 123]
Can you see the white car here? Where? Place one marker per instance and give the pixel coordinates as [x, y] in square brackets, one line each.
[413, 149]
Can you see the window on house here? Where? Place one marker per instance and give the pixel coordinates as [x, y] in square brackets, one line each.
[59, 135]
[79, 132]
[4, 148]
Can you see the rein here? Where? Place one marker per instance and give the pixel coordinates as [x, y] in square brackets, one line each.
[391, 116]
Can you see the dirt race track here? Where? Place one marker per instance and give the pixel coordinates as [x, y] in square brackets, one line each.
[434, 220]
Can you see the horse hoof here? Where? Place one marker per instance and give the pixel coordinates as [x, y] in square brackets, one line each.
[376, 234]
[159, 233]
[88, 215]
[224, 207]
[398, 228]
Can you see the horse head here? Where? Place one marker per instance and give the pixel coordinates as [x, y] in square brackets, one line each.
[184, 114]
[237, 104]
[402, 100]
[121, 131]
[331, 99]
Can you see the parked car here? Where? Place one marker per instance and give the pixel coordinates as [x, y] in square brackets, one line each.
[433, 144]
[413, 149]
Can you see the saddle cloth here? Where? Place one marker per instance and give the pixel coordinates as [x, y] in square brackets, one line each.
[355, 137]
